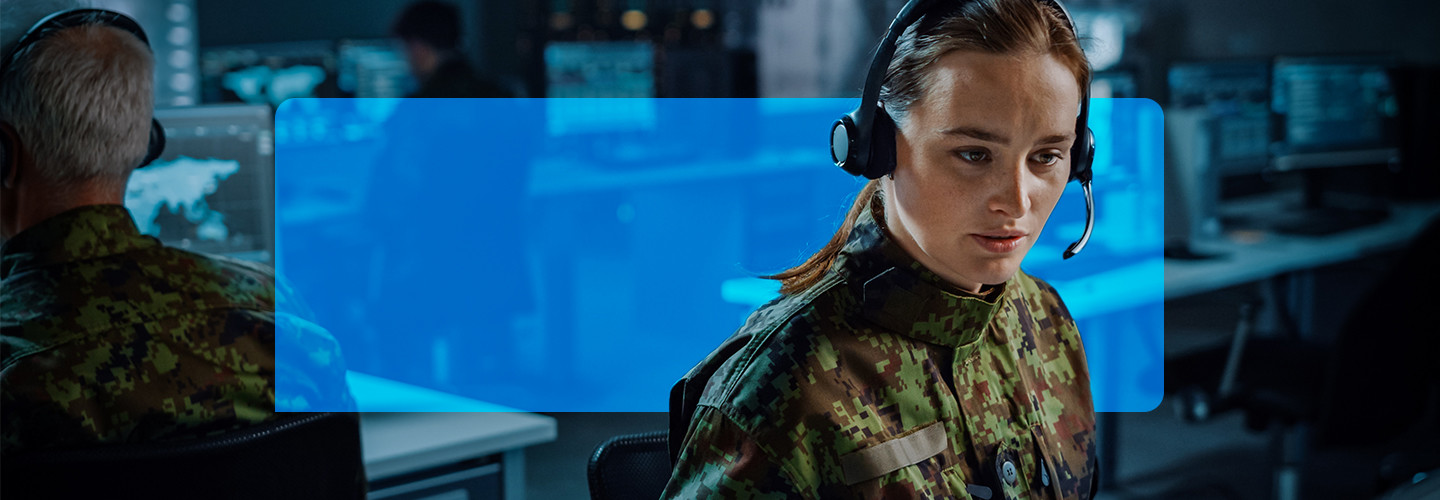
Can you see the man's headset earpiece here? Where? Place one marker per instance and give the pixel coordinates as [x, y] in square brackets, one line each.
[55, 23]
[862, 142]
[7, 150]
[157, 143]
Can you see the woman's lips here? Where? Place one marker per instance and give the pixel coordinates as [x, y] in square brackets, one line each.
[1000, 241]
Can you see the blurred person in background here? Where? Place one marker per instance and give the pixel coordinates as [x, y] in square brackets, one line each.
[430, 32]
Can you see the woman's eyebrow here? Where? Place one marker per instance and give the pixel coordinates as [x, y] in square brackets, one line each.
[978, 133]
[988, 136]
[1057, 138]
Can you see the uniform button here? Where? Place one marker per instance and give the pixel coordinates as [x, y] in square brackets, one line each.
[1007, 471]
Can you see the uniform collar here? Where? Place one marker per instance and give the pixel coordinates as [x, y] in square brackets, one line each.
[86, 232]
[897, 292]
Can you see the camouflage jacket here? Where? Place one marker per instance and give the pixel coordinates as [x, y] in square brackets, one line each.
[883, 381]
[108, 336]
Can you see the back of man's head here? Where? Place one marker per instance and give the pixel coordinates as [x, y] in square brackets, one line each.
[80, 100]
[436, 24]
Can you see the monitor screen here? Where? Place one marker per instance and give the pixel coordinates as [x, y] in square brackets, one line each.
[1234, 97]
[1105, 30]
[1113, 84]
[268, 73]
[373, 68]
[1327, 105]
[599, 70]
[212, 189]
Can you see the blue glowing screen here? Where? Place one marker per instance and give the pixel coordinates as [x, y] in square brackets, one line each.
[510, 253]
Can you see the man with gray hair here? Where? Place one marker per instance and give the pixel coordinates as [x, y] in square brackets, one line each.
[105, 334]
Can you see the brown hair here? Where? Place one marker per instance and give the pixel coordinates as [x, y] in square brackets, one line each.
[987, 26]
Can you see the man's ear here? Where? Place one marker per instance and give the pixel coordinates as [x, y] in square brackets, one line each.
[9, 155]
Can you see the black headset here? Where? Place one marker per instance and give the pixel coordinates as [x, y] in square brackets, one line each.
[55, 23]
[862, 142]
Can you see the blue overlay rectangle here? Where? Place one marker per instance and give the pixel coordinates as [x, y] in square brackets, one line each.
[512, 253]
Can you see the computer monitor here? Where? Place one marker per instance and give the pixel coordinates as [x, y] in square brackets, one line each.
[592, 110]
[1233, 98]
[598, 71]
[1105, 29]
[212, 190]
[1334, 112]
[1114, 84]
[268, 73]
[373, 68]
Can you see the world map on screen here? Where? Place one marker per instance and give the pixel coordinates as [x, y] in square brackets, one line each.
[179, 187]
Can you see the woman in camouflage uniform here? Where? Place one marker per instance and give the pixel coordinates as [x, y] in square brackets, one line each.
[910, 357]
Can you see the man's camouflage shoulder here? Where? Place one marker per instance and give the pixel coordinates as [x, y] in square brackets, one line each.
[246, 283]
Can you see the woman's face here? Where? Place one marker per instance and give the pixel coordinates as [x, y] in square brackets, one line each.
[981, 160]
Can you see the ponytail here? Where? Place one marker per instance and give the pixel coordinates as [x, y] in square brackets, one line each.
[803, 276]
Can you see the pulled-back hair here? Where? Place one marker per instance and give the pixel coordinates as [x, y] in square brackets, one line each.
[1018, 27]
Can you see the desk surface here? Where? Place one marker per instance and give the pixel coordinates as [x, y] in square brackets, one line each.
[1274, 254]
[397, 443]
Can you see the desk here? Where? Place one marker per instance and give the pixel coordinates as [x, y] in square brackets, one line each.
[1274, 254]
[427, 449]
[1275, 259]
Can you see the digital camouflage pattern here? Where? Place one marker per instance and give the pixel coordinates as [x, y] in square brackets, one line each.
[873, 354]
[108, 336]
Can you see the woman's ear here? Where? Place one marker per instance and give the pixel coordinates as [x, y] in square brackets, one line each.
[900, 153]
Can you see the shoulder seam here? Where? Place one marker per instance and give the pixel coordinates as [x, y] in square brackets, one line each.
[751, 348]
[788, 474]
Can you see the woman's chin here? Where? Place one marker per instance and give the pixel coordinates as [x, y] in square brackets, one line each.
[985, 272]
[997, 272]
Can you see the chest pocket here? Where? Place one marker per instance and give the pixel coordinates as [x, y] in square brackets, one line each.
[895, 454]
[918, 464]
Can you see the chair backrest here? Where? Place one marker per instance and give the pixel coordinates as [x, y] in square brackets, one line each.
[311, 455]
[630, 466]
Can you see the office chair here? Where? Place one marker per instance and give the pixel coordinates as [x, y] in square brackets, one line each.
[630, 466]
[1273, 381]
[312, 455]
[1374, 387]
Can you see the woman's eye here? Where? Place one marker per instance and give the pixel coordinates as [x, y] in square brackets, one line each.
[973, 156]
[1047, 158]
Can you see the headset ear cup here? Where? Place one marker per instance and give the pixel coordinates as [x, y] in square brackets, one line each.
[7, 150]
[882, 146]
[842, 144]
[1082, 156]
[157, 143]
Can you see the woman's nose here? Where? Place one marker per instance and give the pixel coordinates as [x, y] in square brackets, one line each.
[1009, 194]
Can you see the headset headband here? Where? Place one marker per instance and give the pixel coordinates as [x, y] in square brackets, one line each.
[864, 116]
[70, 19]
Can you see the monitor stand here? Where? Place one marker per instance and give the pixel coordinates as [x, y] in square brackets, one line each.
[1318, 216]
